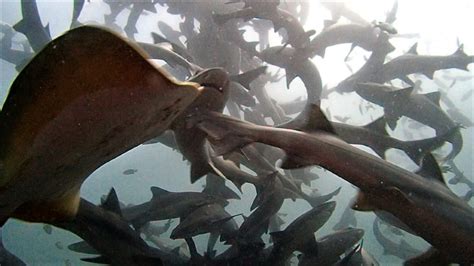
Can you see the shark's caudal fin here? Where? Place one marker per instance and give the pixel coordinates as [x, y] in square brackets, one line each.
[318, 200]
[247, 77]
[417, 149]
[111, 203]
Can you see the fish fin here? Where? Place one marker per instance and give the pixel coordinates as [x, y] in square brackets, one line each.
[328, 22]
[97, 260]
[83, 247]
[293, 162]
[362, 203]
[316, 201]
[429, 73]
[390, 117]
[417, 149]
[47, 31]
[111, 203]
[199, 170]
[430, 169]
[460, 51]
[247, 77]
[224, 192]
[413, 49]
[290, 76]
[315, 120]
[157, 192]
[378, 126]
[22, 26]
[64, 208]
[434, 97]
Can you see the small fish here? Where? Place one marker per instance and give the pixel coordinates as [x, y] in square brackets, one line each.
[59, 245]
[129, 171]
[48, 229]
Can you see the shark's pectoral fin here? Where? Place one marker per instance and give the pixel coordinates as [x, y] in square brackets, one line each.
[60, 209]
[391, 117]
[199, 170]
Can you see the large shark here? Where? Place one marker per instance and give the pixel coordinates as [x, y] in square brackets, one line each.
[423, 108]
[299, 235]
[427, 206]
[190, 141]
[86, 98]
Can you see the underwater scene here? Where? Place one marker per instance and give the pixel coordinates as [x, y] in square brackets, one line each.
[236, 132]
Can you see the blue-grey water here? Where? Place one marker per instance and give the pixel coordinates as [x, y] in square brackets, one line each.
[438, 27]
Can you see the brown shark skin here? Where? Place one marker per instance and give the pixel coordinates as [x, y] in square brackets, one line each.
[191, 142]
[427, 207]
[86, 98]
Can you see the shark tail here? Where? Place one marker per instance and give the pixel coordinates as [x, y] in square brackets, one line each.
[456, 142]
[417, 149]
[316, 201]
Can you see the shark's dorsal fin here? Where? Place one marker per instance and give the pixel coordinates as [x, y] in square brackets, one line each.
[158, 192]
[402, 93]
[48, 32]
[316, 120]
[413, 49]
[378, 126]
[111, 203]
[290, 76]
[430, 169]
[460, 51]
[433, 97]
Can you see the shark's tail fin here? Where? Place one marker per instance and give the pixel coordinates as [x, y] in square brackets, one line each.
[417, 149]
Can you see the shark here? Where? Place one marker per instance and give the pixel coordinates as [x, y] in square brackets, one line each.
[329, 248]
[412, 62]
[109, 234]
[403, 250]
[85, 99]
[373, 135]
[191, 142]
[421, 203]
[423, 108]
[167, 205]
[299, 235]
[31, 25]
